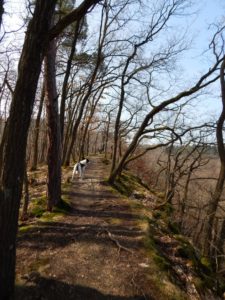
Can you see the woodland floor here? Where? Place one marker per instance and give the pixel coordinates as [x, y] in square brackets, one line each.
[95, 252]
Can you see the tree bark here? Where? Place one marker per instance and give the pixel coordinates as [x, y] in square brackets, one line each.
[26, 200]
[35, 45]
[54, 142]
[37, 131]
[17, 131]
[88, 122]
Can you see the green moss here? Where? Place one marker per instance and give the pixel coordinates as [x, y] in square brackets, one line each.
[157, 214]
[206, 265]
[38, 206]
[127, 183]
[205, 276]
[174, 227]
[161, 262]
[160, 272]
[149, 244]
[37, 212]
[24, 229]
[63, 207]
[152, 249]
[51, 216]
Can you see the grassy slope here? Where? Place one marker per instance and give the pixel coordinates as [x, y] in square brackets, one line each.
[177, 268]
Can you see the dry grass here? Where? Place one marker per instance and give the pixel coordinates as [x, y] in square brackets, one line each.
[203, 180]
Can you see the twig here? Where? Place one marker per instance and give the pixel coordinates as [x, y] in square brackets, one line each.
[136, 286]
[117, 243]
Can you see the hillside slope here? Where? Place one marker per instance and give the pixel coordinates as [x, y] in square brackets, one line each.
[109, 246]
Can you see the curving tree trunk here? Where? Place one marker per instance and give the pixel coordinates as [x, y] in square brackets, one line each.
[213, 205]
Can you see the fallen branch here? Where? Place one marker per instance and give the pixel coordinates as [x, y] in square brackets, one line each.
[117, 243]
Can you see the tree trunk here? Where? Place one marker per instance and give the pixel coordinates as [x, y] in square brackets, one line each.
[102, 36]
[44, 145]
[35, 45]
[54, 142]
[69, 129]
[26, 200]
[107, 134]
[220, 246]
[117, 126]
[1, 11]
[88, 122]
[208, 232]
[65, 81]
[220, 182]
[17, 131]
[77, 122]
[36, 132]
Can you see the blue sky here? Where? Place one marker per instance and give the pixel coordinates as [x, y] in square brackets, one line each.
[193, 62]
[196, 61]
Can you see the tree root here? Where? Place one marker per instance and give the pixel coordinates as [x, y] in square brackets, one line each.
[117, 243]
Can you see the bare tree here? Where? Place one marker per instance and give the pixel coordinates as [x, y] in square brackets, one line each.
[35, 45]
[18, 124]
[91, 81]
[204, 81]
[66, 79]
[213, 205]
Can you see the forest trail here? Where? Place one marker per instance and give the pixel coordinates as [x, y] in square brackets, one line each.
[95, 252]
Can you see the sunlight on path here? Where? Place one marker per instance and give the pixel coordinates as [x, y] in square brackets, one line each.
[96, 252]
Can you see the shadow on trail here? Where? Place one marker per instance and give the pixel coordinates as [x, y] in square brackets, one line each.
[50, 289]
[90, 195]
[107, 213]
[52, 235]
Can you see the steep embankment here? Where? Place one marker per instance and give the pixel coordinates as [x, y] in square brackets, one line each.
[108, 247]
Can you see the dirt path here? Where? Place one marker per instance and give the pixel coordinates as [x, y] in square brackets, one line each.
[94, 253]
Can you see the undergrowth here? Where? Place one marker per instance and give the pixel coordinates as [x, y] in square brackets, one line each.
[160, 225]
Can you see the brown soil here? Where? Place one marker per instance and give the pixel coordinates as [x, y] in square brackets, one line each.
[95, 252]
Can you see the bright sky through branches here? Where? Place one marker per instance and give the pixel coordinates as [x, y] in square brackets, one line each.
[199, 26]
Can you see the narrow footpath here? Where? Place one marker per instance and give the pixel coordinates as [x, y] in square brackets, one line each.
[95, 252]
